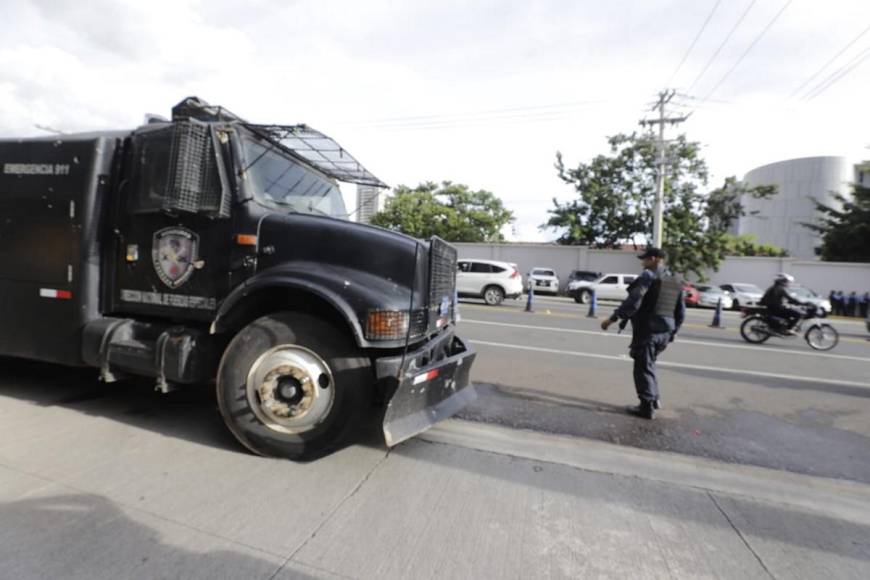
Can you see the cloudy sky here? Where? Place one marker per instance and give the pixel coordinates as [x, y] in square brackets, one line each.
[479, 92]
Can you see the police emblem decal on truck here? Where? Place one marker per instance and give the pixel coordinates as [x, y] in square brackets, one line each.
[174, 251]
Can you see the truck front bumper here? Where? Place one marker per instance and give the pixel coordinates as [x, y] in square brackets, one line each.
[433, 383]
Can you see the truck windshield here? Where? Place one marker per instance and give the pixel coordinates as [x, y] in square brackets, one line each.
[284, 184]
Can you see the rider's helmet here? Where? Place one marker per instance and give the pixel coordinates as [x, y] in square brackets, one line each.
[784, 279]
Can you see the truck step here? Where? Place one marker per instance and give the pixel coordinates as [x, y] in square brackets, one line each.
[172, 354]
[135, 356]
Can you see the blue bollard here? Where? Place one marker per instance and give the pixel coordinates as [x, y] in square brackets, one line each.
[531, 296]
[717, 316]
[593, 306]
[456, 316]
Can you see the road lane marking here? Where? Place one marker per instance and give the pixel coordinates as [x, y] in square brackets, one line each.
[626, 359]
[690, 312]
[770, 349]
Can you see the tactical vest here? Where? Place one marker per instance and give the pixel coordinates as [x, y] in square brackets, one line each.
[662, 297]
[670, 286]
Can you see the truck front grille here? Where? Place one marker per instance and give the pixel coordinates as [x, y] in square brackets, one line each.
[442, 282]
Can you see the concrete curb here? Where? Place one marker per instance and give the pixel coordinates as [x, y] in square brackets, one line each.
[846, 500]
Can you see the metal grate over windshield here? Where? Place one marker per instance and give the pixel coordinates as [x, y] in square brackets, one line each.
[319, 150]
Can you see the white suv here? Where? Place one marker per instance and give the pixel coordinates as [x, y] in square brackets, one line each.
[487, 279]
[544, 279]
[610, 286]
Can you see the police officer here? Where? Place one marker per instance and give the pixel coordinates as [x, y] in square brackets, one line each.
[777, 297]
[656, 309]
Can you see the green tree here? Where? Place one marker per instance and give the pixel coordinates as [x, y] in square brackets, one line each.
[747, 245]
[449, 210]
[845, 227]
[616, 194]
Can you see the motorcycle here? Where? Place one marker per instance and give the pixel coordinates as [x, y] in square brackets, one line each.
[760, 325]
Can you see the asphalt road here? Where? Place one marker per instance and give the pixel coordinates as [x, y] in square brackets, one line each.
[779, 405]
[116, 481]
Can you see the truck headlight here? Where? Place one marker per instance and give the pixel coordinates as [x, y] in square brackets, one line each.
[393, 324]
[387, 324]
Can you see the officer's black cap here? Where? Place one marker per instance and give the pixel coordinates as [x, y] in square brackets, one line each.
[653, 253]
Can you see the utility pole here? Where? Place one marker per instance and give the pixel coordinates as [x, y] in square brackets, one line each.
[658, 207]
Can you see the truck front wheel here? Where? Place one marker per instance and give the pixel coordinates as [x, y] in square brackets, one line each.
[292, 385]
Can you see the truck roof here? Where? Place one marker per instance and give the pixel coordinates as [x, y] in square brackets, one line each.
[72, 137]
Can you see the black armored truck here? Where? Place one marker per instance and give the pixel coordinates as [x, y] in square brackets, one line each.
[207, 248]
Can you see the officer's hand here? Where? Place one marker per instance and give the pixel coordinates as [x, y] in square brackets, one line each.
[673, 336]
[605, 324]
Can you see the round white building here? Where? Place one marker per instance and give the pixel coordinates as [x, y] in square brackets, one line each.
[778, 220]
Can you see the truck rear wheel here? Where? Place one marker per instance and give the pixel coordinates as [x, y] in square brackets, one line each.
[292, 385]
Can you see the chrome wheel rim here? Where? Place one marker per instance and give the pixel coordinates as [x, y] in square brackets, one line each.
[821, 337]
[290, 389]
[492, 296]
[757, 331]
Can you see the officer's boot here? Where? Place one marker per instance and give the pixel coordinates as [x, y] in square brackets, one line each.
[645, 409]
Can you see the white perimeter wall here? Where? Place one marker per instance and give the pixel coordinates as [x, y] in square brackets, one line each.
[820, 276]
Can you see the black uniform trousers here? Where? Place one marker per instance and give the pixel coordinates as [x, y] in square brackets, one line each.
[645, 350]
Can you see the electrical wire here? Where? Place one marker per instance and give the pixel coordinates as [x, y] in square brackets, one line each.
[721, 46]
[500, 113]
[828, 63]
[694, 42]
[838, 75]
[748, 49]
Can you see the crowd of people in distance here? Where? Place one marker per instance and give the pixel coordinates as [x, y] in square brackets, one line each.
[849, 305]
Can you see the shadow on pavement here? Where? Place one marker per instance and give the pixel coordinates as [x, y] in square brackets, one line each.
[88, 537]
[807, 445]
[189, 413]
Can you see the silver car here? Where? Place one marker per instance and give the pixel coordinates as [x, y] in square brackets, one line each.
[743, 294]
[806, 295]
[709, 296]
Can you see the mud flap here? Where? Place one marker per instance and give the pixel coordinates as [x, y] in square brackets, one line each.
[428, 395]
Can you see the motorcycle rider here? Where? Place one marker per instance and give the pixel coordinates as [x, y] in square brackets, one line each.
[776, 298]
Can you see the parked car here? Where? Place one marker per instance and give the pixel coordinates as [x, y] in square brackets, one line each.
[580, 275]
[709, 296]
[544, 279]
[609, 286]
[804, 294]
[743, 294]
[690, 294]
[493, 281]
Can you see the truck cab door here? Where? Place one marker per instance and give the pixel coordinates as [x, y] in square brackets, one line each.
[173, 230]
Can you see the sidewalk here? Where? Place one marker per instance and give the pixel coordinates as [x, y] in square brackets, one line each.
[95, 492]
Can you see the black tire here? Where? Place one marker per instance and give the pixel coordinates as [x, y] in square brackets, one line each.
[493, 295]
[822, 336]
[584, 297]
[577, 299]
[252, 351]
[754, 330]
[735, 305]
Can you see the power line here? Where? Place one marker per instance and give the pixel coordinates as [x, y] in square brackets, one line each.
[748, 49]
[489, 112]
[535, 114]
[829, 63]
[721, 46]
[838, 75]
[695, 41]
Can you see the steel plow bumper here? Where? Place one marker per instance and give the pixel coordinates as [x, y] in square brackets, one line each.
[433, 384]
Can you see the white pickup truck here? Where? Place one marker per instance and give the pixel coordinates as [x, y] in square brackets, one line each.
[610, 286]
